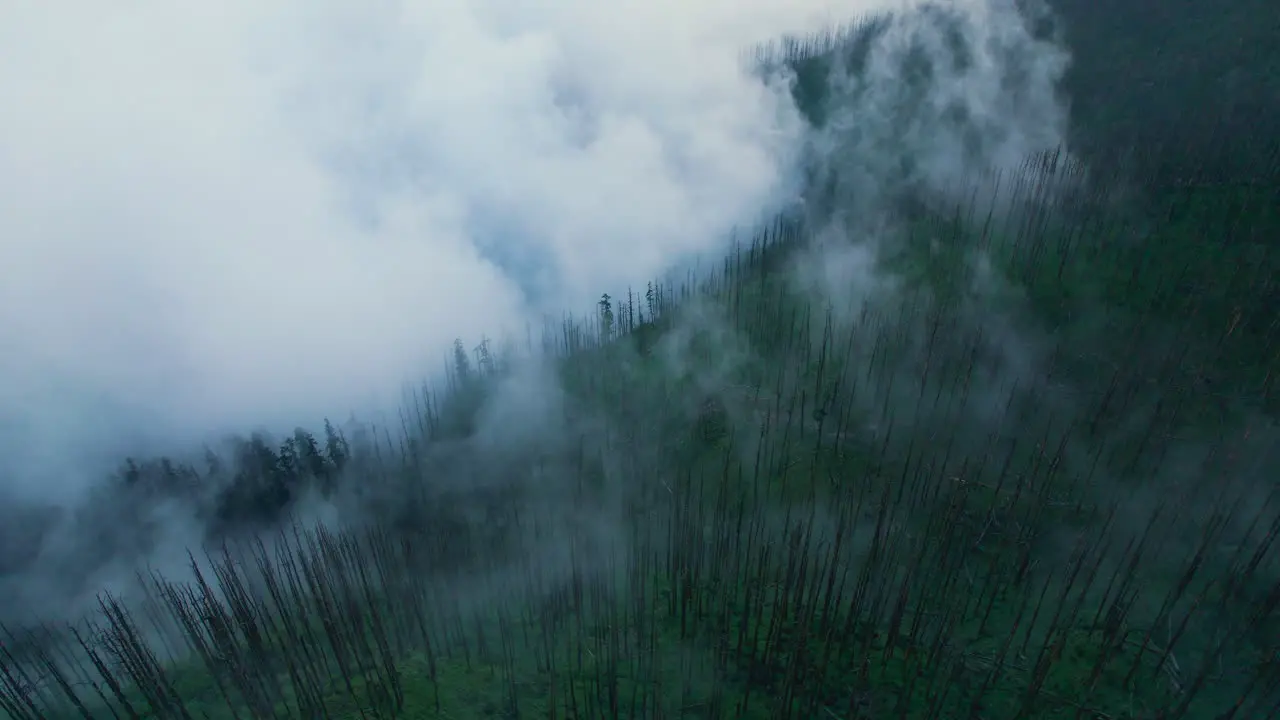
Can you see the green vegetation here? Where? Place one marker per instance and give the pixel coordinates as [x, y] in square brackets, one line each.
[1033, 476]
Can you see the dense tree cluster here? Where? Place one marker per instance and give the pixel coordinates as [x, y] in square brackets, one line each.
[254, 481]
[1190, 91]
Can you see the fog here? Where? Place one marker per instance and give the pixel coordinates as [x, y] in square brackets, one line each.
[221, 218]
[224, 215]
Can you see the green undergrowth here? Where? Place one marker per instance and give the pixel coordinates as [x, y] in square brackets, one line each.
[768, 506]
[1031, 476]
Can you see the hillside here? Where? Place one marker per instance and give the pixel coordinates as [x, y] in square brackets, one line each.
[998, 446]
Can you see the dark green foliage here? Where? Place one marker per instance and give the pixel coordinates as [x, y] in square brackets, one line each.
[1188, 90]
[770, 554]
[1036, 479]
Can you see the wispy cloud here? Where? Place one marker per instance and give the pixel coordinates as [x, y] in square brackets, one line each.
[218, 214]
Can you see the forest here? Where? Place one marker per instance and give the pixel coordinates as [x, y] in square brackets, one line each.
[995, 444]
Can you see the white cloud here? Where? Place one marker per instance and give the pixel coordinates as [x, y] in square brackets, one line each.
[220, 214]
[216, 214]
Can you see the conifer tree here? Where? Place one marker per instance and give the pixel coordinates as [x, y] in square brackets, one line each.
[606, 317]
